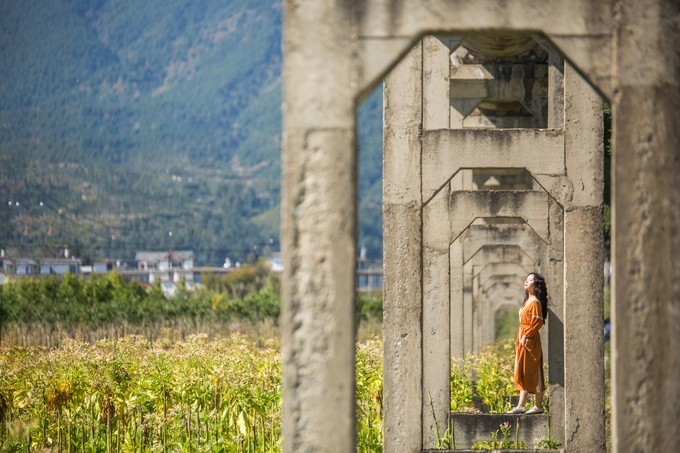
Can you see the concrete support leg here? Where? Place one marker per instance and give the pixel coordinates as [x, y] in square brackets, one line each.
[402, 238]
[318, 230]
[583, 345]
[646, 228]
[583, 271]
[318, 313]
[436, 328]
[456, 288]
[553, 266]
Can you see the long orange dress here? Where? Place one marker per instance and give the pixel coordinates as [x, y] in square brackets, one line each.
[529, 358]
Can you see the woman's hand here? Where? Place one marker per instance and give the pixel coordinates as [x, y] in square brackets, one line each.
[523, 340]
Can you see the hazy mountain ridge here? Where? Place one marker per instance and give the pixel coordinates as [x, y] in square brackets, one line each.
[149, 124]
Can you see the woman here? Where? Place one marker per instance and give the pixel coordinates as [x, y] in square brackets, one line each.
[528, 353]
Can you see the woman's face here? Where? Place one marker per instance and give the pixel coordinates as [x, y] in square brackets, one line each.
[529, 283]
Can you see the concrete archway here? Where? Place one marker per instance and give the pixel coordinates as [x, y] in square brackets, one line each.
[326, 75]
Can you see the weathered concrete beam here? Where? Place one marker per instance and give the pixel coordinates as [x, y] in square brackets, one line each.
[446, 151]
[485, 271]
[409, 17]
[498, 71]
[520, 239]
[584, 29]
[515, 89]
[503, 279]
[489, 253]
[466, 206]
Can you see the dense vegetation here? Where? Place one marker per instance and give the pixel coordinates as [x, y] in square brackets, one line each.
[131, 394]
[111, 305]
[130, 120]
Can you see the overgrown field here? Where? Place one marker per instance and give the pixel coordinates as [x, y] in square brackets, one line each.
[223, 395]
[170, 389]
[133, 395]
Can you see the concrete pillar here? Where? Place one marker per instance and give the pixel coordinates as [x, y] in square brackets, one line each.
[318, 230]
[456, 287]
[402, 238]
[646, 227]
[436, 313]
[583, 270]
[553, 340]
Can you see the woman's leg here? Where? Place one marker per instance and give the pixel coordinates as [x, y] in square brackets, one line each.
[539, 400]
[519, 409]
[522, 398]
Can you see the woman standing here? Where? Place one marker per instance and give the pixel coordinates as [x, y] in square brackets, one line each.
[528, 353]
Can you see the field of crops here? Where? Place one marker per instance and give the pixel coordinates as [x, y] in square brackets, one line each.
[132, 395]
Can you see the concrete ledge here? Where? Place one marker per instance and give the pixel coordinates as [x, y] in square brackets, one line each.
[561, 450]
[470, 428]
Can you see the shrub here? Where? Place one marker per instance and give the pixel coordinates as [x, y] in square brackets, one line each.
[494, 380]
[461, 384]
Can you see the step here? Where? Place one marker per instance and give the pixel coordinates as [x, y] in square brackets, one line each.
[469, 428]
[467, 450]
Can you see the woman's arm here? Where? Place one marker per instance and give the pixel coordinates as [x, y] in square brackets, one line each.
[535, 319]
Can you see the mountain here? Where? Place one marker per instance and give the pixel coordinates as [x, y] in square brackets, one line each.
[147, 124]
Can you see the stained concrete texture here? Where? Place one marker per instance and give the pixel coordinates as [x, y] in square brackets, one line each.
[470, 428]
[624, 48]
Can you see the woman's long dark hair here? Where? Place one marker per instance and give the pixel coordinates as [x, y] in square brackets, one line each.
[541, 293]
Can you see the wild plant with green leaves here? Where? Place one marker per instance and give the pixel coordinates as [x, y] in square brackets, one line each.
[461, 384]
[494, 383]
[369, 391]
[503, 443]
[132, 394]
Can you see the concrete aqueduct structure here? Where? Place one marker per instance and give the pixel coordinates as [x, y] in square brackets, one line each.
[510, 91]
[483, 94]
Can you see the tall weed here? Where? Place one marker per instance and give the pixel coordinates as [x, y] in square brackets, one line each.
[132, 394]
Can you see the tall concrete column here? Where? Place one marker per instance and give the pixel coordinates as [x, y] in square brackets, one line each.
[457, 323]
[646, 227]
[436, 312]
[318, 229]
[402, 239]
[583, 275]
[553, 348]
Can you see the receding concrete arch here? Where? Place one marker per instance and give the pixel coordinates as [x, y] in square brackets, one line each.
[478, 239]
[481, 278]
[486, 271]
[502, 289]
[498, 296]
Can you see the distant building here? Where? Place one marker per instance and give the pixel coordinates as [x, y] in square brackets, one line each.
[59, 266]
[102, 266]
[25, 266]
[165, 261]
[7, 266]
[169, 268]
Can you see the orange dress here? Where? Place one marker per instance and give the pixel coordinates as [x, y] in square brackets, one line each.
[529, 358]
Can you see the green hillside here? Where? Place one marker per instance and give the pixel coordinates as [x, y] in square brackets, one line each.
[147, 124]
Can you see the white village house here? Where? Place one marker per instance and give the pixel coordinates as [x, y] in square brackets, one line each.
[59, 266]
[168, 267]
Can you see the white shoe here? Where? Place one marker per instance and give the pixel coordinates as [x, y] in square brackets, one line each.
[517, 410]
[534, 410]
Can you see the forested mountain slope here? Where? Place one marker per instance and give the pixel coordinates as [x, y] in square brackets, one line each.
[149, 124]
